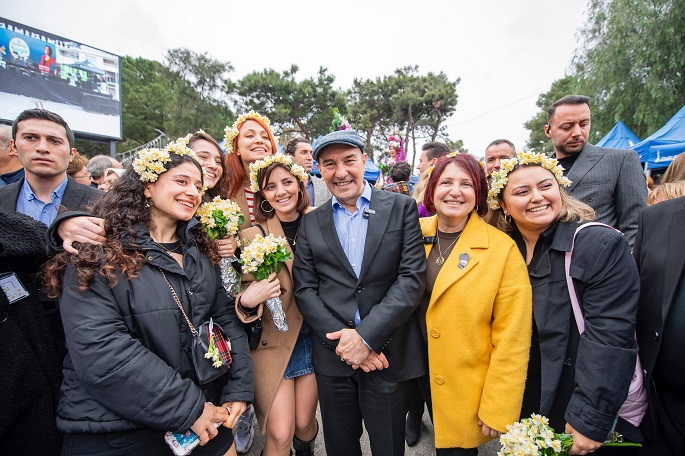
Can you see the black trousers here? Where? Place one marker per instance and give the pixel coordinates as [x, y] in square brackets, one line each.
[667, 437]
[346, 401]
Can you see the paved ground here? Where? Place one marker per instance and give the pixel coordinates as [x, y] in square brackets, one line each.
[425, 447]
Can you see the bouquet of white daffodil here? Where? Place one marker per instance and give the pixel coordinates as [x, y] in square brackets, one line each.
[219, 218]
[532, 437]
[261, 257]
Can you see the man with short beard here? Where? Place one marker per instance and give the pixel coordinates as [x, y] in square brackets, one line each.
[609, 180]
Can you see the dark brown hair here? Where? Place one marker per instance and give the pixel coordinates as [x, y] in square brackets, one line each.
[260, 214]
[472, 168]
[221, 188]
[121, 208]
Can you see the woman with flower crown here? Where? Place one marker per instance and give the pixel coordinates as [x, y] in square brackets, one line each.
[129, 375]
[248, 140]
[475, 313]
[394, 154]
[578, 381]
[285, 386]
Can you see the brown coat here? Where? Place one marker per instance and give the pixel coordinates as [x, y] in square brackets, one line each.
[271, 358]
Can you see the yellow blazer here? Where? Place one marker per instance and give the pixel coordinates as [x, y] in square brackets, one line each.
[479, 323]
[271, 357]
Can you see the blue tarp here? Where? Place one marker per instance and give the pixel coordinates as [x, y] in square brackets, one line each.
[659, 150]
[620, 137]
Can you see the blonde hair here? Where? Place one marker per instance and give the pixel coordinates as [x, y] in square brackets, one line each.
[665, 192]
[676, 170]
[420, 187]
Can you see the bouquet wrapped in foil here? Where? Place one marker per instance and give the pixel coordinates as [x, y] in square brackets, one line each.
[221, 218]
[261, 257]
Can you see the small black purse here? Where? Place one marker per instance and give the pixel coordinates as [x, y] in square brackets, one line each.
[207, 368]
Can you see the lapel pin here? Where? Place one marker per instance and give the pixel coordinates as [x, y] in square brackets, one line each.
[463, 260]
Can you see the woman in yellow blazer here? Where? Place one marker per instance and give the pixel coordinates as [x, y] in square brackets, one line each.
[285, 386]
[476, 312]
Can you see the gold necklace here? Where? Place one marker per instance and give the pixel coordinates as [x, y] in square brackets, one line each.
[295, 238]
[441, 259]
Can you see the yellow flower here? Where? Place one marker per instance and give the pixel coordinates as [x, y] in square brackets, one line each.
[295, 169]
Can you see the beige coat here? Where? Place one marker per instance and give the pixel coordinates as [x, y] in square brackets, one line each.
[271, 357]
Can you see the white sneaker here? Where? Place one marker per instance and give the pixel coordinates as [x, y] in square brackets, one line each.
[244, 434]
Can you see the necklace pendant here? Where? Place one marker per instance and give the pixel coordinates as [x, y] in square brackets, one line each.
[440, 260]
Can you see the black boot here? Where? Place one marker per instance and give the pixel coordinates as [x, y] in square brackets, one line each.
[412, 427]
[305, 448]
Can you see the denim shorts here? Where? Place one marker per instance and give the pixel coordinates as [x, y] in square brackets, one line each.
[301, 360]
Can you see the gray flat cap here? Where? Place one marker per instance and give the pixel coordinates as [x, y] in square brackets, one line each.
[349, 137]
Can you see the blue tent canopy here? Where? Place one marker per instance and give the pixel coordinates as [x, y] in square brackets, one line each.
[620, 137]
[659, 150]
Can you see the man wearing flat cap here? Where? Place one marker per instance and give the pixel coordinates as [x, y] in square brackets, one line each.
[359, 274]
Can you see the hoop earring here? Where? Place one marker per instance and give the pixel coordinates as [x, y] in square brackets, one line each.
[148, 203]
[507, 218]
[475, 209]
[262, 206]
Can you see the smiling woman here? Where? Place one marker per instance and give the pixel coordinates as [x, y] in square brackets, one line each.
[585, 378]
[477, 295]
[155, 259]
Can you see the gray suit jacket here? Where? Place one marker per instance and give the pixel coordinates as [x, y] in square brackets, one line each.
[321, 192]
[612, 183]
[76, 196]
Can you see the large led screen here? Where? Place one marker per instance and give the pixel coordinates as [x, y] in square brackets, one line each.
[78, 82]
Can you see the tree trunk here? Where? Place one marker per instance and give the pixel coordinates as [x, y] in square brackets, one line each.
[369, 149]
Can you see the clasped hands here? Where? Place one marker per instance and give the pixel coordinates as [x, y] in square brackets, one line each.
[352, 350]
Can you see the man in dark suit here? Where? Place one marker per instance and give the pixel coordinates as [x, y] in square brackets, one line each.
[660, 256]
[609, 180]
[359, 274]
[44, 144]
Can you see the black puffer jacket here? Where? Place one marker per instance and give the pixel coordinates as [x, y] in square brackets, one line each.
[129, 363]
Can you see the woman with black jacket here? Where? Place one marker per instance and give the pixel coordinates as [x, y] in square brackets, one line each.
[578, 381]
[129, 375]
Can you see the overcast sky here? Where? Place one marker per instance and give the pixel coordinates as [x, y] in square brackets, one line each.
[505, 52]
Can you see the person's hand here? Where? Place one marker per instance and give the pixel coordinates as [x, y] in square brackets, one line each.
[351, 348]
[581, 444]
[237, 409]
[259, 291]
[375, 361]
[204, 426]
[226, 246]
[90, 230]
[487, 430]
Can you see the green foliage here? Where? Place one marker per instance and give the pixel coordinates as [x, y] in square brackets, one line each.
[632, 63]
[538, 141]
[294, 107]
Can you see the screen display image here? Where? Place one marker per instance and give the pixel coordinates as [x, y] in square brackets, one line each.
[78, 82]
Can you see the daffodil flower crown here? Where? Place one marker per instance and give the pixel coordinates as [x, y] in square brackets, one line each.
[295, 169]
[149, 163]
[233, 131]
[499, 178]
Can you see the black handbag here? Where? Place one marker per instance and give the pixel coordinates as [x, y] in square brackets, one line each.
[205, 370]
[254, 333]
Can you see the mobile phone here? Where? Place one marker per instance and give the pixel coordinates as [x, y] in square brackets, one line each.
[184, 444]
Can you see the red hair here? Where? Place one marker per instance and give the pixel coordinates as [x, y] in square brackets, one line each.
[472, 168]
[235, 172]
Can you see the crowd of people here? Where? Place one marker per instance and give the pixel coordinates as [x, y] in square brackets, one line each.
[525, 284]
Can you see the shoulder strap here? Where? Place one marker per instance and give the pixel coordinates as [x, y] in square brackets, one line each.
[577, 311]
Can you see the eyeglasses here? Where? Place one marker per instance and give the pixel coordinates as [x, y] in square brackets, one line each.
[83, 176]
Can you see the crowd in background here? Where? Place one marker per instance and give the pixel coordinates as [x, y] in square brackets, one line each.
[488, 291]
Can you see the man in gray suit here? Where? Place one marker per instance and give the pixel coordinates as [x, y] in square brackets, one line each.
[301, 152]
[609, 180]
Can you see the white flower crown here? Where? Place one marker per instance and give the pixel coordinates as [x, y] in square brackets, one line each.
[296, 170]
[149, 163]
[233, 131]
[499, 178]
